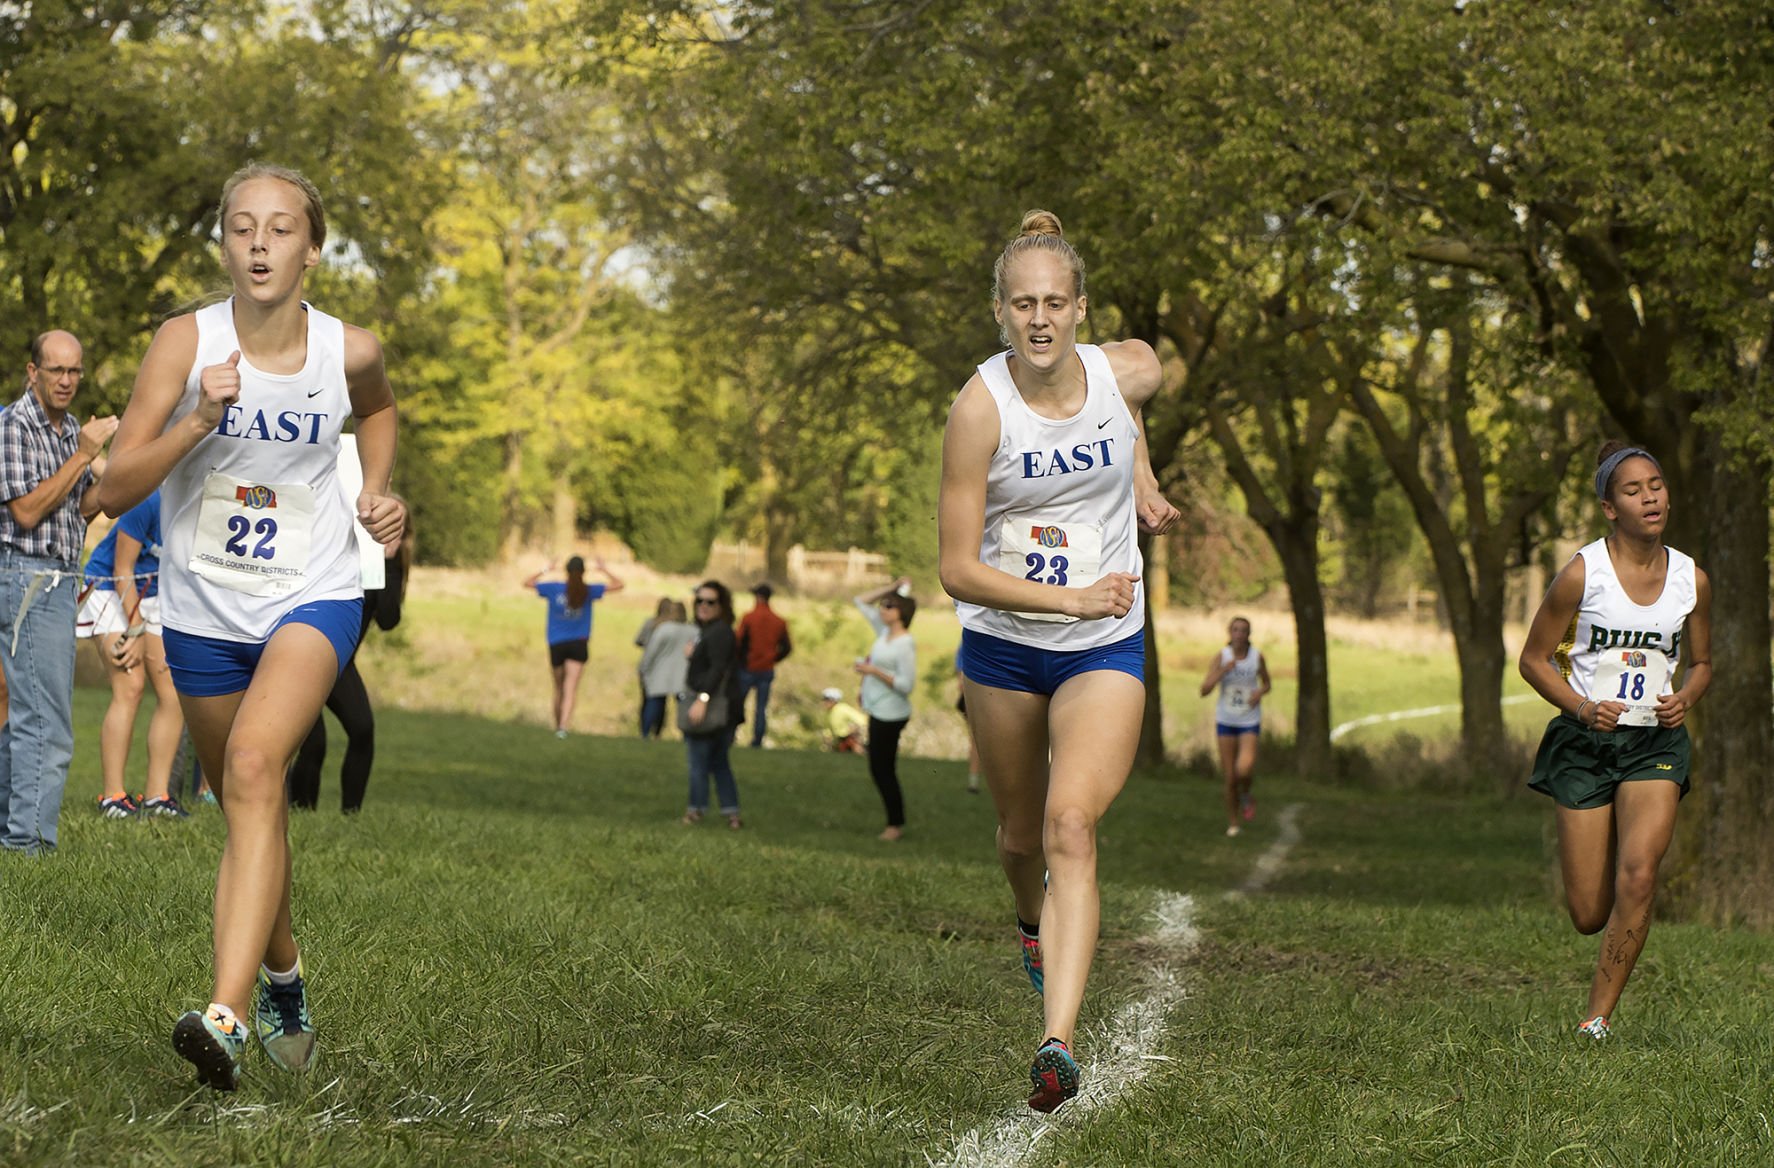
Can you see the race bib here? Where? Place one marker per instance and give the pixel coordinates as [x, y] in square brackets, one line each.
[1069, 555]
[1238, 697]
[253, 537]
[1635, 677]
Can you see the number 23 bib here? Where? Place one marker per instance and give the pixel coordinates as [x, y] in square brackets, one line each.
[253, 537]
[1067, 554]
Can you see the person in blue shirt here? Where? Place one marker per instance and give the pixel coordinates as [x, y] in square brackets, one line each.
[122, 611]
[569, 629]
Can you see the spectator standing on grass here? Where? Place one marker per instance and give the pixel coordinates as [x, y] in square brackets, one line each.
[1603, 648]
[569, 629]
[236, 416]
[709, 725]
[350, 698]
[122, 613]
[1045, 483]
[763, 642]
[889, 673]
[661, 612]
[49, 482]
[1242, 677]
[844, 723]
[664, 665]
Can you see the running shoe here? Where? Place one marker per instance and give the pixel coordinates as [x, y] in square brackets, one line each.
[281, 1017]
[1054, 1076]
[1032, 960]
[213, 1043]
[1596, 1028]
[167, 808]
[1232, 829]
[206, 797]
[118, 806]
[1247, 806]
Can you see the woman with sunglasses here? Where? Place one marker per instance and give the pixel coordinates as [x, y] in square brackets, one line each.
[888, 674]
[708, 733]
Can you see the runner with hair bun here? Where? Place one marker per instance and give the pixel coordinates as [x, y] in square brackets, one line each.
[1603, 648]
[1045, 485]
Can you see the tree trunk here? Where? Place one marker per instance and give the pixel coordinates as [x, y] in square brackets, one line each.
[1719, 865]
[564, 517]
[1297, 545]
[1482, 661]
[1151, 748]
[511, 534]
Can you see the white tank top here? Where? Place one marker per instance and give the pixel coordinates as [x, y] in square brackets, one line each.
[254, 520]
[1238, 687]
[1060, 507]
[1616, 650]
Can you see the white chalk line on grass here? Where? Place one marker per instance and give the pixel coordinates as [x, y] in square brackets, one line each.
[1342, 728]
[1268, 865]
[1129, 1040]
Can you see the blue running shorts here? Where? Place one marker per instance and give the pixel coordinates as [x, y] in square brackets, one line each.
[206, 667]
[987, 660]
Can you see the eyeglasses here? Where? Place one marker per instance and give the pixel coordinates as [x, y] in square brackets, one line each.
[57, 372]
[708, 600]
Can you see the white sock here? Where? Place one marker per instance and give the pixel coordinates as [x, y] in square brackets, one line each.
[287, 977]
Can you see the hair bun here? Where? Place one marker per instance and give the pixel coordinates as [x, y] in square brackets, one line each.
[1041, 223]
[1609, 448]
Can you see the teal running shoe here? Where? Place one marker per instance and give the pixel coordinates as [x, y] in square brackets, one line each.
[281, 1017]
[213, 1043]
[1054, 1076]
[1596, 1028]
[1032, 961]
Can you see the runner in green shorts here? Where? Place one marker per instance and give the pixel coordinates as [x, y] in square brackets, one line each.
[1604, 648]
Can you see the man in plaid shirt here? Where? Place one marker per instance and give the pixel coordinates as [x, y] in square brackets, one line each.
[46, 479]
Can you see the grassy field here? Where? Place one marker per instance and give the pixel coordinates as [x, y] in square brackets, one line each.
[518, 957]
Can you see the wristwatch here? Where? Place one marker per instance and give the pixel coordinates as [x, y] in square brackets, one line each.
[702, 697]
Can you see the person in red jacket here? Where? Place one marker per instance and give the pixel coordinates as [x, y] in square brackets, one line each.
[763, 641]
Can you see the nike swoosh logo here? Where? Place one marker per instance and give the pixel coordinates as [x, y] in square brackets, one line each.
[313, 392]
[1104, 422]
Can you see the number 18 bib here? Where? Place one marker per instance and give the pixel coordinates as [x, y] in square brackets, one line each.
[1069, 555]
[253, 537]
[1635, 677]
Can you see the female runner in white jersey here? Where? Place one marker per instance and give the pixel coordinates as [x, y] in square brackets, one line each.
[1603, 648]
[1045, 479]
[1243, 679]
[236, 415]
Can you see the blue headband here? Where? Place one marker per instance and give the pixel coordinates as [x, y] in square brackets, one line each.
[1605, 471]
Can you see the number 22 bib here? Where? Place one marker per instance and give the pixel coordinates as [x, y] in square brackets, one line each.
[1067, 554]
[253, 537]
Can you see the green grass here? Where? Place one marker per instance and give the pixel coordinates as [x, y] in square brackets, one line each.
[518, 957]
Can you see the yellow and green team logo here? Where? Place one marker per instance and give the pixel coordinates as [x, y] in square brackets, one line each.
[1049, 537]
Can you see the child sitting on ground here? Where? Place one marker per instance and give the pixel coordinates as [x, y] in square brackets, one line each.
[844, 722]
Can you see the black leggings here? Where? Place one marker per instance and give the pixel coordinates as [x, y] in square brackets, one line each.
[884, 766]
[350, 702]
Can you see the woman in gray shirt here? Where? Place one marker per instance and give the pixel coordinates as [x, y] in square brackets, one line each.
[888, 674]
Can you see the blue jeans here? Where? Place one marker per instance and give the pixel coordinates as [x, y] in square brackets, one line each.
[37, 743]
[760, 682]
[652, 716]
[708, 752]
